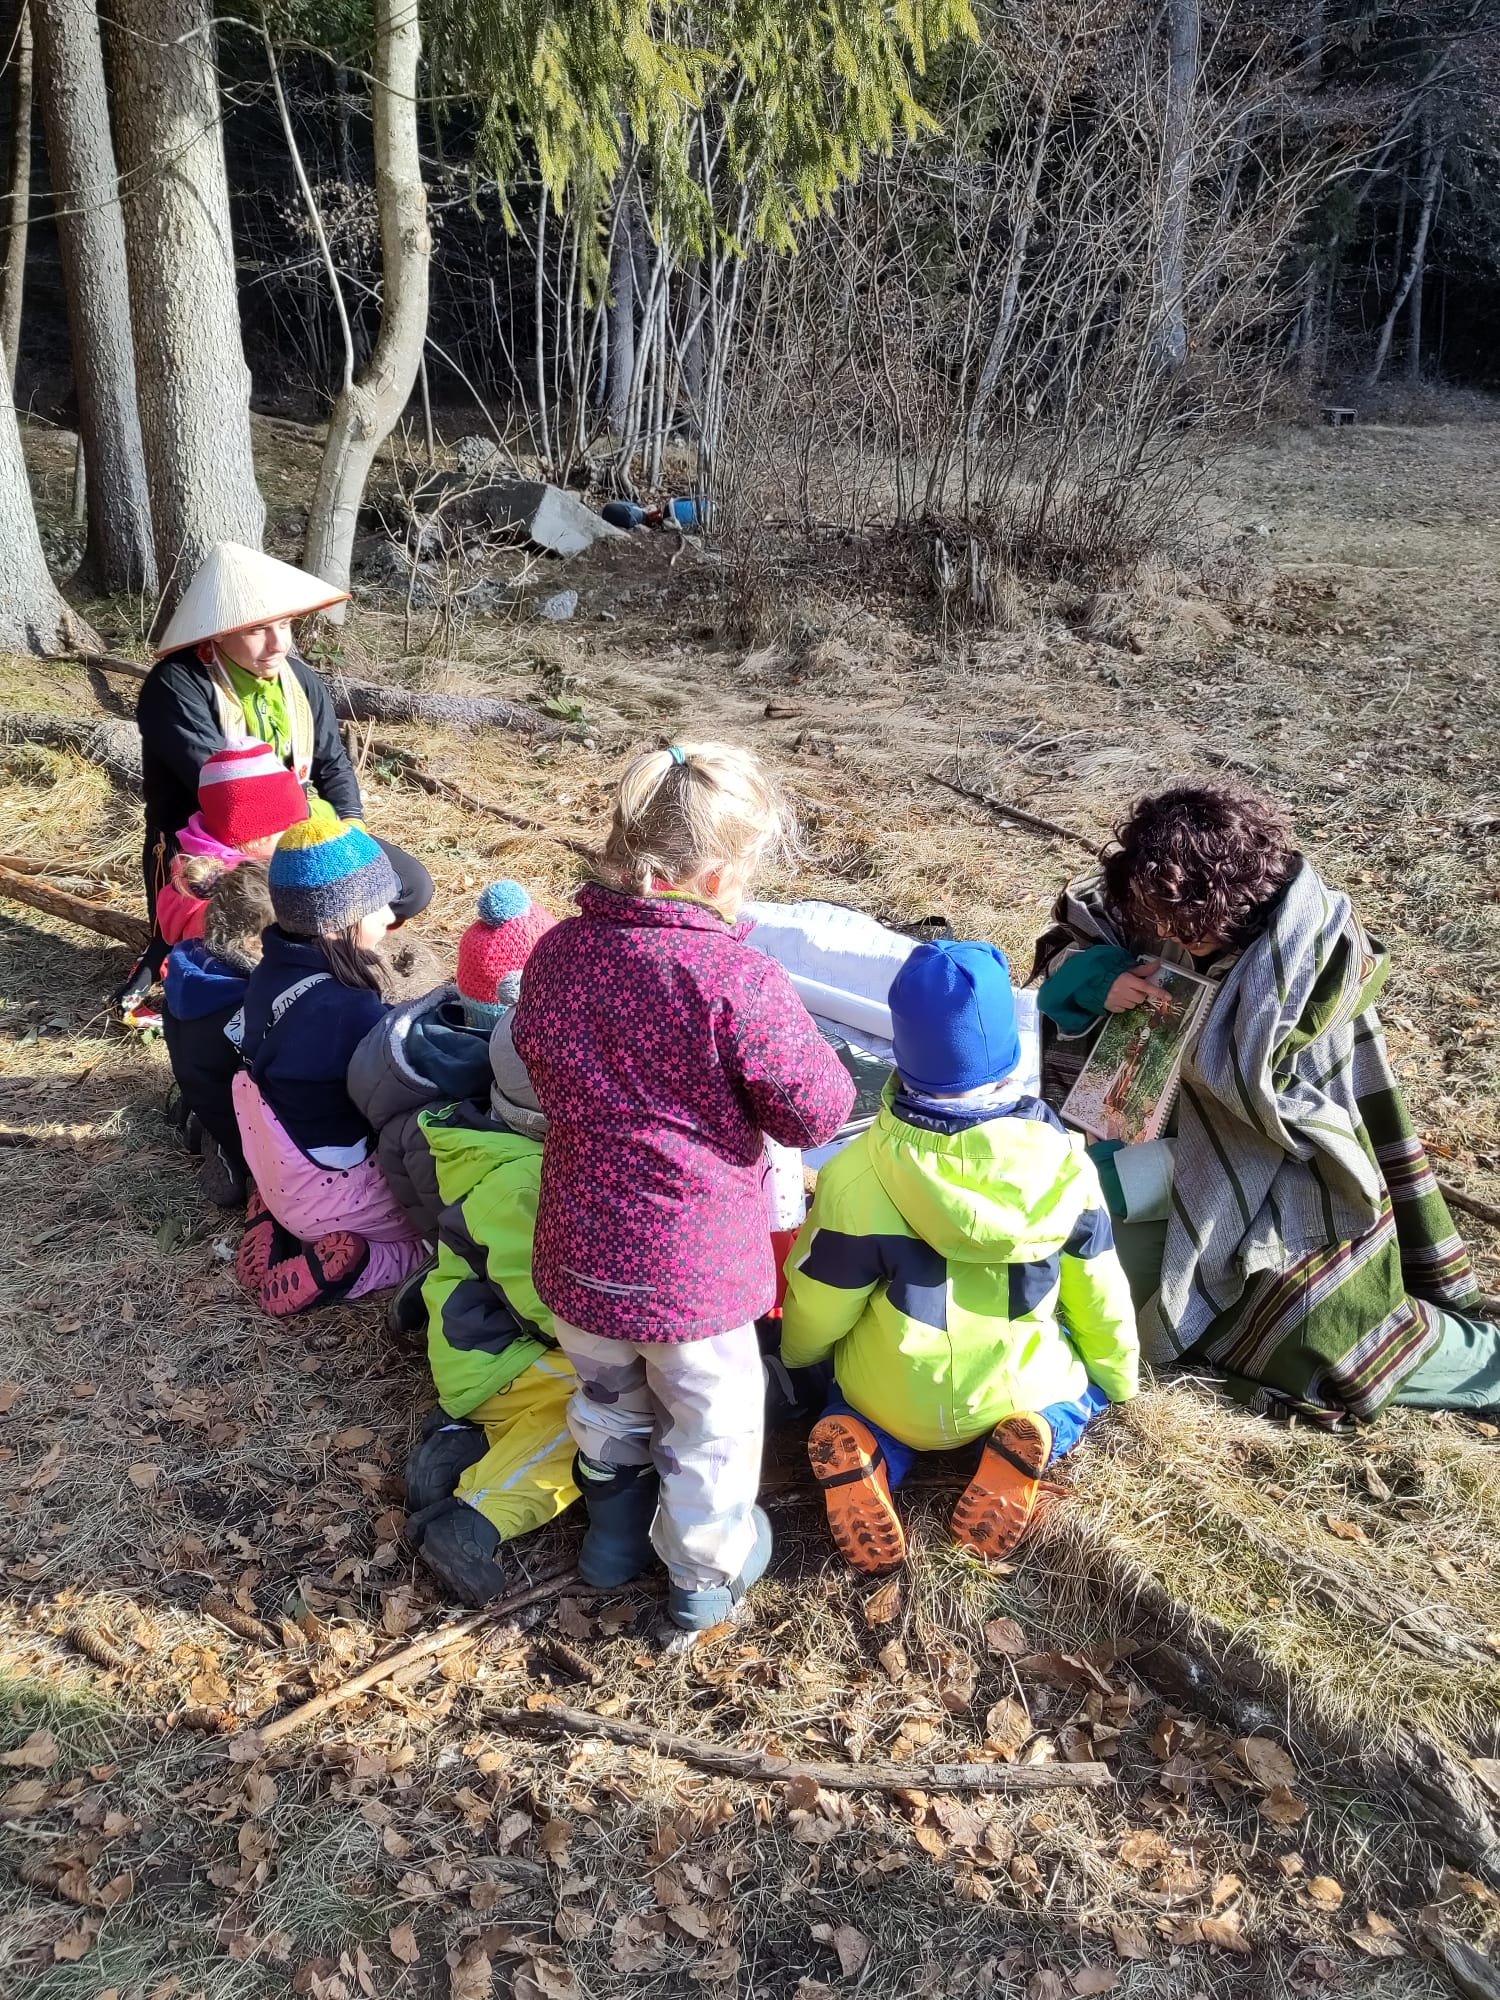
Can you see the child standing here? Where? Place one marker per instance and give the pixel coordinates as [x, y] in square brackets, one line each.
[958, 1266]
[663, 1052]
[313, 998]
[247, 799]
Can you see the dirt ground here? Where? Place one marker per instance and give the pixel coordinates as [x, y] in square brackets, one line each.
[202, 1510]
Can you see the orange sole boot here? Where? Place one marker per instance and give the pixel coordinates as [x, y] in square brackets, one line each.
[995, 1509]
[850, 1467]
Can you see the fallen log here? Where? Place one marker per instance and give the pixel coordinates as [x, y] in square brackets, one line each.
[114, 746]
[62, 870]
[426, 1648]
[1470, 1204]
[101, 917]
[761, 1767]
[379, 701]
[1021, 817]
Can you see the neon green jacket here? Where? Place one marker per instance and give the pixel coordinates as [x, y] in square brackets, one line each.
[960, 1266]
[485, 1322]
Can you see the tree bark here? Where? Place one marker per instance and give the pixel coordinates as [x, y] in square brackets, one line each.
[1432, 175]
[620, 368]
[1184, 32]
[101, 917]
[18, 200]
[119, 555]
[368, 409]
[33, 616]
[193, 383]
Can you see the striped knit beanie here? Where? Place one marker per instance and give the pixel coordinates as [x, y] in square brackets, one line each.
[492, 951]
[326, 875]
[245, 792]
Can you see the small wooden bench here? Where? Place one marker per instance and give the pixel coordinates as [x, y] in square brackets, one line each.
[1336, 415]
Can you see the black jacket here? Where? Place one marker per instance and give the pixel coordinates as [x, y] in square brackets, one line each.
[179, 724]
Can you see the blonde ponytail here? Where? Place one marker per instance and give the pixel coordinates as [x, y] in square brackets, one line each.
[697, 807]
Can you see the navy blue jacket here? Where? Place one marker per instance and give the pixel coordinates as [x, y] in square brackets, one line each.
[203, 997]
[297, 1049]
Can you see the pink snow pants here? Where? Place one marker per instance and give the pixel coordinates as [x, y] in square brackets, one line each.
[311, 1201]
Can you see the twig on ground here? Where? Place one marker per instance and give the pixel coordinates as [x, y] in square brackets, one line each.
[1022, 818]
[439, 787]
[1470, 1204]
[425, 1648]
[112, 923]
[760, 1767]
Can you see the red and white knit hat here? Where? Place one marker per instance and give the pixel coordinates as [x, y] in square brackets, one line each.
[496, 946]
[245, 792]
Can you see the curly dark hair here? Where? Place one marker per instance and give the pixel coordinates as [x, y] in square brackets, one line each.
[1200, 861]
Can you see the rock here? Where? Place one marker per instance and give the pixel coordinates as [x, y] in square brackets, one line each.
[385, 564]
[547, 515]
[489, 595]
[560, 606]
[475, 453]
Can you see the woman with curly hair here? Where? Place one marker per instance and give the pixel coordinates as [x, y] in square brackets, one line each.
[1304, 1251]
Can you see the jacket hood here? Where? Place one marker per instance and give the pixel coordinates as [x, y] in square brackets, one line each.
[614, 906]
[198, 983]
[416, 1053]
[195, 838]
[1004, 1188]
[512, 1099]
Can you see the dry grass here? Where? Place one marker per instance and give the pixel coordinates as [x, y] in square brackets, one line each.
[161, 1440]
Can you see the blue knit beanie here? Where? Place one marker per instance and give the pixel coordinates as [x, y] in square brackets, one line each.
[953, 1017]
[326, 875]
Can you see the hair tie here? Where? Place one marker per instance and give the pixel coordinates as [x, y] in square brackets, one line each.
[677, 754]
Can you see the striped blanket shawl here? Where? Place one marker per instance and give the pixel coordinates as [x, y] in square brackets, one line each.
[1307, 1241]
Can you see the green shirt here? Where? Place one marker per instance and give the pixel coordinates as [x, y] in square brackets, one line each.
[265, 708]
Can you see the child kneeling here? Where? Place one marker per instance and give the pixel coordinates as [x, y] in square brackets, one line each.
[958, 1265]
[322, 1224]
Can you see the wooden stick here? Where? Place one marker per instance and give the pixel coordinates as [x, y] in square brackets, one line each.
[426, 1648]
[1470, 1204]
[437, 787]
[760, 1767]
[111, 663]
[1032, 820]
[82, 871]
[118, 924]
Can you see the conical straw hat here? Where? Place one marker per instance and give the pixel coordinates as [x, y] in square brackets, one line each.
[235, 588]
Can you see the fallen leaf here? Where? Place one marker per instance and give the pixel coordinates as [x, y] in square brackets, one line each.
[1377, 1937]
[801, 1794]
[1226, 1887]
[1025, 1871]
[1324, 1892]
[1347, 1531]
[1374, 1484]
[616, 1617]
[811, 1989]
[850, 1946]
[717, 1968]
[73, 1945]
[572, 1621]
[9, 1392]
[1130, 1941]
[349, 1440]
[1485, 1769]
[552, 1842]
[893, 1659]
[884, 1604]
[639, 1942]
[26, 1796]
[469, 1976]
[1268, 1764]
[1143, 1850]
[1007, 1726]
[403, 1944]
[1224, 1933]
[1005, 1638]
[1282, 1807]
[37, 1753]
[1094, 1979]
[545, 1978]
[143, 1476]
[117, 1890]
[1045, 1985]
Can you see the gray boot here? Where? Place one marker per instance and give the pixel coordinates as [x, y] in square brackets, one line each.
[621, 1504]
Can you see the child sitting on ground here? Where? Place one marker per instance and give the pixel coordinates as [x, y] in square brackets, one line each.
[206, 978]
[323, 1225]
[663, 1050]
[247, 799]
[958, 1265]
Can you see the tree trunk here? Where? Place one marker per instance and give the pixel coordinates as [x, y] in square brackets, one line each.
[18, 201]
[368, 409]
[1183, 36]
[119, 555]
[621, 364]
[33, 617]
[193, 384]
[343, 151]
[1414, 319]
[1432, 174]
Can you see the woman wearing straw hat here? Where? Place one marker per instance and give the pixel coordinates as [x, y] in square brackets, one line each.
[226, 673]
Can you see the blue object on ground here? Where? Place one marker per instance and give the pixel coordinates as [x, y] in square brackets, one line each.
[622, 513]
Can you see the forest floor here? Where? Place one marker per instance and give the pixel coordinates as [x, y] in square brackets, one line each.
[169, 1457]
